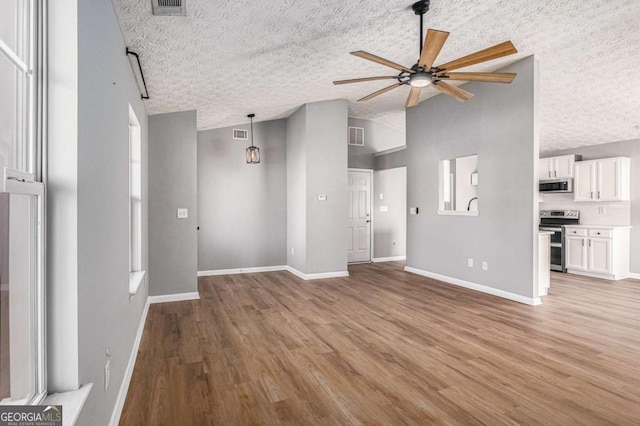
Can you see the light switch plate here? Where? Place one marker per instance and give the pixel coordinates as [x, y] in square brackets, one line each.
[384, 208]
[322, 197]
[183, 213]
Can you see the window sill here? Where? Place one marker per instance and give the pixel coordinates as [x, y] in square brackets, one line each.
[135, 279]
[457, 213]
[72, 403]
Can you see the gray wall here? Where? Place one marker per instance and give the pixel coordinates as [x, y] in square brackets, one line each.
[377, 138]
[108, 318]
[297, 189]
[391, 226]
[326, 160]
[391, 160]
[317, 165]
[631, 149]
[499, 124]
[242, 208]
[173, 242]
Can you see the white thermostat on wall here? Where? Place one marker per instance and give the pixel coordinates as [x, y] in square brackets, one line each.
[322, 198]
[183, 213]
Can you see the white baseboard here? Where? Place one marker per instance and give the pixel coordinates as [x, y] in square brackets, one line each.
[389, 259]
[317, 276]
[477, 287]
[242, 270]
[126, 380]
[179, 297]
[634, 276]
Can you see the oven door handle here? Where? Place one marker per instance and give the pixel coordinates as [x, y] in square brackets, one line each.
[551, 229]
[559, 245]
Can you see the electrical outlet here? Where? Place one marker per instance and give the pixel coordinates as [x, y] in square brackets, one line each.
[470, 263]
[107, 375]
[485, 266]
[381, 196]
[293, 251]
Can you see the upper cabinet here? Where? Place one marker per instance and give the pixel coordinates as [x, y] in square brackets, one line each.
[607, 179]
[557, 167]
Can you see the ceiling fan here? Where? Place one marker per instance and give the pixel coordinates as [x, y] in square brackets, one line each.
[423, 73]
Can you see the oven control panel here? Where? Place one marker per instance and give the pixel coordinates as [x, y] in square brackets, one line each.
[569, 214]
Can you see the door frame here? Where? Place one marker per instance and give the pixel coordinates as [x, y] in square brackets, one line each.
[371, 239]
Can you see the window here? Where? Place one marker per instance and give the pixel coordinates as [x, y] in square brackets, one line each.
[136, 275]
[22, 320]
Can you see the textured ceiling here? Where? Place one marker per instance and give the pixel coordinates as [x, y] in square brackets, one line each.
[228, 58]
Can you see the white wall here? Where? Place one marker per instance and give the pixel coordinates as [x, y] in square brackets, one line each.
[390, 227]
[464, 192]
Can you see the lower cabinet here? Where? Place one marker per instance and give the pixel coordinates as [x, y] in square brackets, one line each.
[598, 252]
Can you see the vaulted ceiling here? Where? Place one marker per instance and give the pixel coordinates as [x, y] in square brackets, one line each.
[228, 58]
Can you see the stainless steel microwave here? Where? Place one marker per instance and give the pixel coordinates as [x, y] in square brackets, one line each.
[556, 185]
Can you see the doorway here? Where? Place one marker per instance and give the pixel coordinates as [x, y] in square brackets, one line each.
[359, 190]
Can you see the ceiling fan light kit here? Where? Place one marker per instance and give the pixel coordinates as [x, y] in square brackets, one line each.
[423, 73]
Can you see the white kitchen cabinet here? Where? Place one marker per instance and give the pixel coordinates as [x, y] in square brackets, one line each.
[557, 167]
[607, 179]
[576, 253]
[584, 182]
[599, 255]
[597, 251]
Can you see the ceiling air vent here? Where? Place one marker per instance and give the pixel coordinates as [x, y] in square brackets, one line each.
[356, 136]
[169, 7]
[241, 134]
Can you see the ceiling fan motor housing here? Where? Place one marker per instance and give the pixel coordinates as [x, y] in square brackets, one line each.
[421, 7]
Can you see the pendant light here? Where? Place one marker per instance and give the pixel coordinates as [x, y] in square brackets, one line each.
[253, 152]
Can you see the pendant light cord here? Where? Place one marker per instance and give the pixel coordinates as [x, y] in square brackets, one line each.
[251, 117]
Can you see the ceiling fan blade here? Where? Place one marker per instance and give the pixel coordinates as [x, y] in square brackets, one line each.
[414, 97]
[359, 80]
[453, 91]
[380, 92]
[379, 60]
[497, 51]
[491, 77]
[433, 42]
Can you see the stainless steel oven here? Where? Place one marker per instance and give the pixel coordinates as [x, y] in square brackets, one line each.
[554, 221]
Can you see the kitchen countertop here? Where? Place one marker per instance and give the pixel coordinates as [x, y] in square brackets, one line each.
[599, 226]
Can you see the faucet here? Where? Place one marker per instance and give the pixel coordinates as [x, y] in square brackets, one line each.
[469, 205]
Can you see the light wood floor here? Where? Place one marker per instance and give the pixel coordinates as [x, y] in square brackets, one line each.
[388, 347]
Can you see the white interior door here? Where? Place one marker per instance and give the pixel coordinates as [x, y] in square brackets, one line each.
[359, 216]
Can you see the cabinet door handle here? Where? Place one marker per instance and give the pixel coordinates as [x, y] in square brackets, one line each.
[591, 194]
[549, 173]
[583, 242]
[589, 243]
[598, 195]
[555, 173]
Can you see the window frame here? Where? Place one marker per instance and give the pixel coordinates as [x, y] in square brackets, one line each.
[136, 272]
[30, 180]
